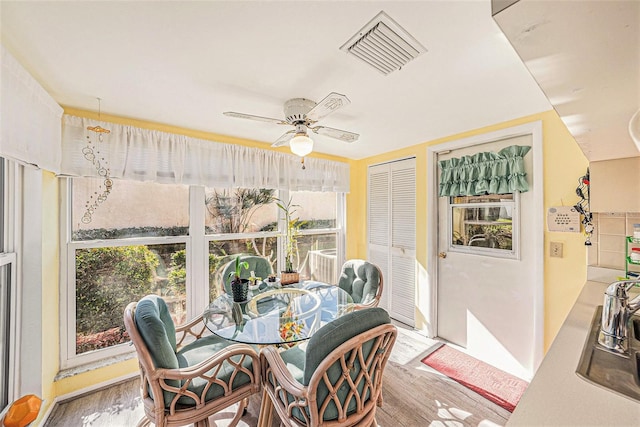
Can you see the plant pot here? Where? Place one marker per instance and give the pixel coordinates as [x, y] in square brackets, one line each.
[289, 278]
[240, 290]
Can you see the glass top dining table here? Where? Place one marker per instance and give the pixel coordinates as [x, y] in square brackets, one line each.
[277, 315]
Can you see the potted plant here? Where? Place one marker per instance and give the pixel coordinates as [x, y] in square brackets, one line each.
[239, 287]
[292, 231]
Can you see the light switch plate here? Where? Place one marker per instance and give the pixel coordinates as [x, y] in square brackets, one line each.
[555, 249]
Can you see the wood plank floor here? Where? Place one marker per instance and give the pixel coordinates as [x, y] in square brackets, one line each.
[414, 396]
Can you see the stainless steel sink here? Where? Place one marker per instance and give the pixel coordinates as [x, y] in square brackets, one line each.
[614, 371]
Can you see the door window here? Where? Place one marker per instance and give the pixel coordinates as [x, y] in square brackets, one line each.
[484, 225]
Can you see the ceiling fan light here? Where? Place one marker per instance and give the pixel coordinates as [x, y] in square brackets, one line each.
[301, 145]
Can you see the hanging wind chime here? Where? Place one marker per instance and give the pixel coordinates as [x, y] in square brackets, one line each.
[583, 206]
[92, 153]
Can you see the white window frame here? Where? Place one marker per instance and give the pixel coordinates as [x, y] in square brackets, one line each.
[8, 262]
[339, 230]
[11, 221]
[68, 356]
[197, 245]
[514, 204]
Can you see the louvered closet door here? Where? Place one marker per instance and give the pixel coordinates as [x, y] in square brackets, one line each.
[378, 224]
[392, 217]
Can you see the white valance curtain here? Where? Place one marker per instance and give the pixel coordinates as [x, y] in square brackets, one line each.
[29, 118]
[148, 155]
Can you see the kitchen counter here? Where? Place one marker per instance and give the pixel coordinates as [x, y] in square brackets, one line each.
[557, 396]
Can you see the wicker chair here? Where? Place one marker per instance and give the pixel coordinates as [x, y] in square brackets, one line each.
[336, 380]
[185, 382]
[363, 281]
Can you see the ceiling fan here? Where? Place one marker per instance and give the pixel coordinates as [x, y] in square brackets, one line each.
[303, 114]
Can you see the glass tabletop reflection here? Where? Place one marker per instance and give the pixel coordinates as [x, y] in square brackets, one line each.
[281, 315]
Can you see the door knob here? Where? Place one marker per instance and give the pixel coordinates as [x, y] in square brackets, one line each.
[442, 255]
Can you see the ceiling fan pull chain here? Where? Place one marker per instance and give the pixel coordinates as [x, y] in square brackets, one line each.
[302, 161]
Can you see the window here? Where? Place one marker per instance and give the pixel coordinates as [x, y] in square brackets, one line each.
[4, 302]
[130, 209]
[7, 287]
[318, 248]
[485, 224]
[239, 221]
[174, 240]
[5, 299]
[129, 244]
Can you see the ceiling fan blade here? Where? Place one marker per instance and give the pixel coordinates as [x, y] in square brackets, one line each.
[284, 139]
[252, 117]
[328, 105]
[342, 135]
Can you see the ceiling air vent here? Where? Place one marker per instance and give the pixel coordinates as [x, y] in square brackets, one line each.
[384, 44]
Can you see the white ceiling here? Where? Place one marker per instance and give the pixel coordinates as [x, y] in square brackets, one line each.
[586, 57]
[184, 63]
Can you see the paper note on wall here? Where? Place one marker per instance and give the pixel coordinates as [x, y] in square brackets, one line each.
[563, 219]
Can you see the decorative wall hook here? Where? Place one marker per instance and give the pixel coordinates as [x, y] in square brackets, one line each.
[583, 206]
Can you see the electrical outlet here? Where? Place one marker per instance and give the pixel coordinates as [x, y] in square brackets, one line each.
[555, 249]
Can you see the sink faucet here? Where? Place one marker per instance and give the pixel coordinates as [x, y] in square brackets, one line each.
[616, 311]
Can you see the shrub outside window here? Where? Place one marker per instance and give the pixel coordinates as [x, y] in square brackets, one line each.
[109, 278]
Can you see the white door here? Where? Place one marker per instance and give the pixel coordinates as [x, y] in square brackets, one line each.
[391, 234]
[485, 294]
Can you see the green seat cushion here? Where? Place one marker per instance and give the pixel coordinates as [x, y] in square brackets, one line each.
[294, 359]
[360, 279]
[200, 350]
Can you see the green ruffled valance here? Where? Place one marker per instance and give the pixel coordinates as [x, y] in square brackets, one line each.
[485, 173]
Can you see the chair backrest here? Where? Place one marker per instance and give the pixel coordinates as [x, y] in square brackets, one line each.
[362, 280]
[153, 334]
[358, 343]
[156, 328]
[259, 265]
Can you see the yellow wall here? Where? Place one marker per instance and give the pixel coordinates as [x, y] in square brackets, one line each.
[564, 163]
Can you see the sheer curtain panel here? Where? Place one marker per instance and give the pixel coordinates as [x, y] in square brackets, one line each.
[29, 118]
[148, 155]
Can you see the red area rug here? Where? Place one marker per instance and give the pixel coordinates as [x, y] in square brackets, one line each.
[491, 383]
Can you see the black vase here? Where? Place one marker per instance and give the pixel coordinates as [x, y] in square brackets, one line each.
[240, 290]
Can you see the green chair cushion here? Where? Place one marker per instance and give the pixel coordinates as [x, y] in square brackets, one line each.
[302, 362]
[158, 332]
[337, 332]
[200, 350]
[294, 359]
[155, 325]
[360, 279]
